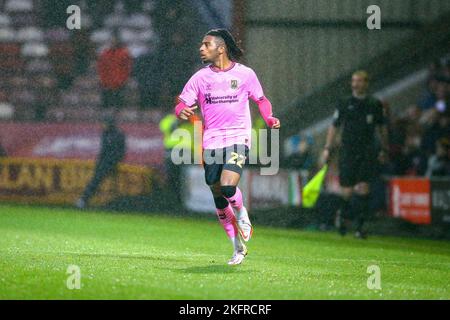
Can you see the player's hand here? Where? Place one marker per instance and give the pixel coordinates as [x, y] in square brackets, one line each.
[325, 156]
[187, 112]
[274, 123]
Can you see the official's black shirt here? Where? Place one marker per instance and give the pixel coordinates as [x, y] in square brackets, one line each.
[358, 119]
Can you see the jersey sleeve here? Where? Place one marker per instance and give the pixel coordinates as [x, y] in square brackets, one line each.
[190, 91]
[254, 88]
[380, 118]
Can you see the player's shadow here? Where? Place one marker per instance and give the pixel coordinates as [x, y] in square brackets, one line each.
[220, 269]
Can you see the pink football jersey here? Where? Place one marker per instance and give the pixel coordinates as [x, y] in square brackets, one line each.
[222, 96]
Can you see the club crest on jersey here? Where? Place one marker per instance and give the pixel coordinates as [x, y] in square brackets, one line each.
[234, 84]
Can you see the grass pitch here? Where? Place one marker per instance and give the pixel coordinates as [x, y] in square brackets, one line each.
[133, 256]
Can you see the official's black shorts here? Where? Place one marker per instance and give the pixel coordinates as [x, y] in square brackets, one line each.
[230, 158]
[357, 166]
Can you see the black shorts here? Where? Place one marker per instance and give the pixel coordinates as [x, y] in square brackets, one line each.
[357, 166]
[230, 158]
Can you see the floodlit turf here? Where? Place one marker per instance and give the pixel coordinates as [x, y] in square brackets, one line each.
[132, 256]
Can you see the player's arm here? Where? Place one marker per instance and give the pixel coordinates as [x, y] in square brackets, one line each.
[183, 111]
[265, 109]
[256, 93]
[331, 136]
[187, 99]
[382, 132]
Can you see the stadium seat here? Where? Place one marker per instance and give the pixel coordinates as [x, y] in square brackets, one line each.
[46, 82]
[6, 111]
[23, 20]
[101, 36]
[10, 60]
[128, 35]
[19, 5]
[23, 97]
[138, 49]
[9, 49]
[34, 49]
[146, 35]
[138, 20]
[7, 35]
[70, 99]
[18, 82]
[5, 20]
[114, 20]
[30, 34]
[38, 65]
[57, 35]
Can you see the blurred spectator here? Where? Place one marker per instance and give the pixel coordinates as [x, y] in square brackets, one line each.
[99, 9]
[301, 159]
[2, 151]
[146, 72]
[428, 97]
[442, 96]
[6, 110]
[44, 88]
[134, 6]
[53, 13]
[62, 58]
[113, 149]
[167, 15]
[439, 163]
[437, 89]
[83, 50]
[412, 161]
[114, 68]
[175, 66]
[438, 128]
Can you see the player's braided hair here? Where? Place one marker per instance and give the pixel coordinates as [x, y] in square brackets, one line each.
[233, 50]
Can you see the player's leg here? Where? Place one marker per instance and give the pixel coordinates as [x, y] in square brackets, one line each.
[344, 212]
[365, 174]
[229, 180]
[361, 208]
[228, 221]
[347, 183]
[224, 210]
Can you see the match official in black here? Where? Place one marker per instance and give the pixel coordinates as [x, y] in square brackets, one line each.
[112, 151]
[361, 118]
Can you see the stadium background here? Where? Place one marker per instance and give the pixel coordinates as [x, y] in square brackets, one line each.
[304, 52]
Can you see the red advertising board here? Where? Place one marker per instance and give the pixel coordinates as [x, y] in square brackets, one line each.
[79, 141]
[410, 199]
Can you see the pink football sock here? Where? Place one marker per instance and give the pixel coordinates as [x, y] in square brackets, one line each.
[236, 200]
[228, 221]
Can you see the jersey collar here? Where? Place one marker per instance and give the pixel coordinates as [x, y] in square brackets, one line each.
[213, 68]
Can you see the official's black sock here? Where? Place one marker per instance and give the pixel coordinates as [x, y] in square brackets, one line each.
[362, 210]
[345, 208]
[344, 211]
